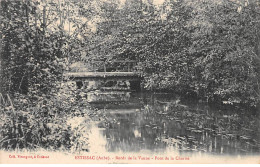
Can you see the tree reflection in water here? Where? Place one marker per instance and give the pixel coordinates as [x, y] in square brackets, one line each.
[157, 127]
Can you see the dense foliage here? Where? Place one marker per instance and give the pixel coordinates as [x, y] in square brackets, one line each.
[209, 49]
[51, 122]
[36, 111]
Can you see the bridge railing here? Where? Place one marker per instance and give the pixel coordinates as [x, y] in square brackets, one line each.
[118, 65]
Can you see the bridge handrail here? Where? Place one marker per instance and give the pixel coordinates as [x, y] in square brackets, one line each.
[115, 61]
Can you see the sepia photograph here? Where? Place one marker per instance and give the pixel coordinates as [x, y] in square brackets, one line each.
[130, 81]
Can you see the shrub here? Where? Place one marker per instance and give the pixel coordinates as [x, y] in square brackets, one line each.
[44, 121]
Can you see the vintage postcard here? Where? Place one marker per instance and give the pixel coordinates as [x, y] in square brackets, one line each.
[130, 82]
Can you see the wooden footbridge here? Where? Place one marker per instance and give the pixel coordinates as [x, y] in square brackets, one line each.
[120, 76]
[131, 76]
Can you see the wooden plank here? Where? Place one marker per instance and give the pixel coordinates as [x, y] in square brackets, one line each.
[101, 74]
[117, 61]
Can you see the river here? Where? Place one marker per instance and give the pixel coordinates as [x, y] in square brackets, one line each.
[159, 123]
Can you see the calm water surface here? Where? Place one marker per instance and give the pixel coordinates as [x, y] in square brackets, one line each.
[147, 122]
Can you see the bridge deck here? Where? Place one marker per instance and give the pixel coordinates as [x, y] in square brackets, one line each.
[101, 74]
